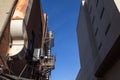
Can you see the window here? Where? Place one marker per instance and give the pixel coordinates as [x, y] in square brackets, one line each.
[90, 10]
[107, 29]
[101, 15]
[32, 37]
[97, 3]
[100, 45]
[96, 31]
[93, 19]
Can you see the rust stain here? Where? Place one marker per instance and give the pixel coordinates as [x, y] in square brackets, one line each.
[20, 9]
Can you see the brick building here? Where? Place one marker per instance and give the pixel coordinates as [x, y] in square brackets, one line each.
[25, 41]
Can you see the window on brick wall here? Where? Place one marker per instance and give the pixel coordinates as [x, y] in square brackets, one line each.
[31, 42]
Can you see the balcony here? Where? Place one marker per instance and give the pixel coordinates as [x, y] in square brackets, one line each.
[49, 41]
[49, 61]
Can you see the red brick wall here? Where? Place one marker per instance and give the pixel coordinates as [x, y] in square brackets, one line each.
[4, 44]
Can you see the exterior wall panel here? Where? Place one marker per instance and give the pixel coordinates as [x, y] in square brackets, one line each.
[98, 40]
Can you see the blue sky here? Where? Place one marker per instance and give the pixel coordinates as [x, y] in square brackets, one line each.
[62, 19]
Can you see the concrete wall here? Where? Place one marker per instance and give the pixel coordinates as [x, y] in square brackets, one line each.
[98, 30]
[87, 47]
